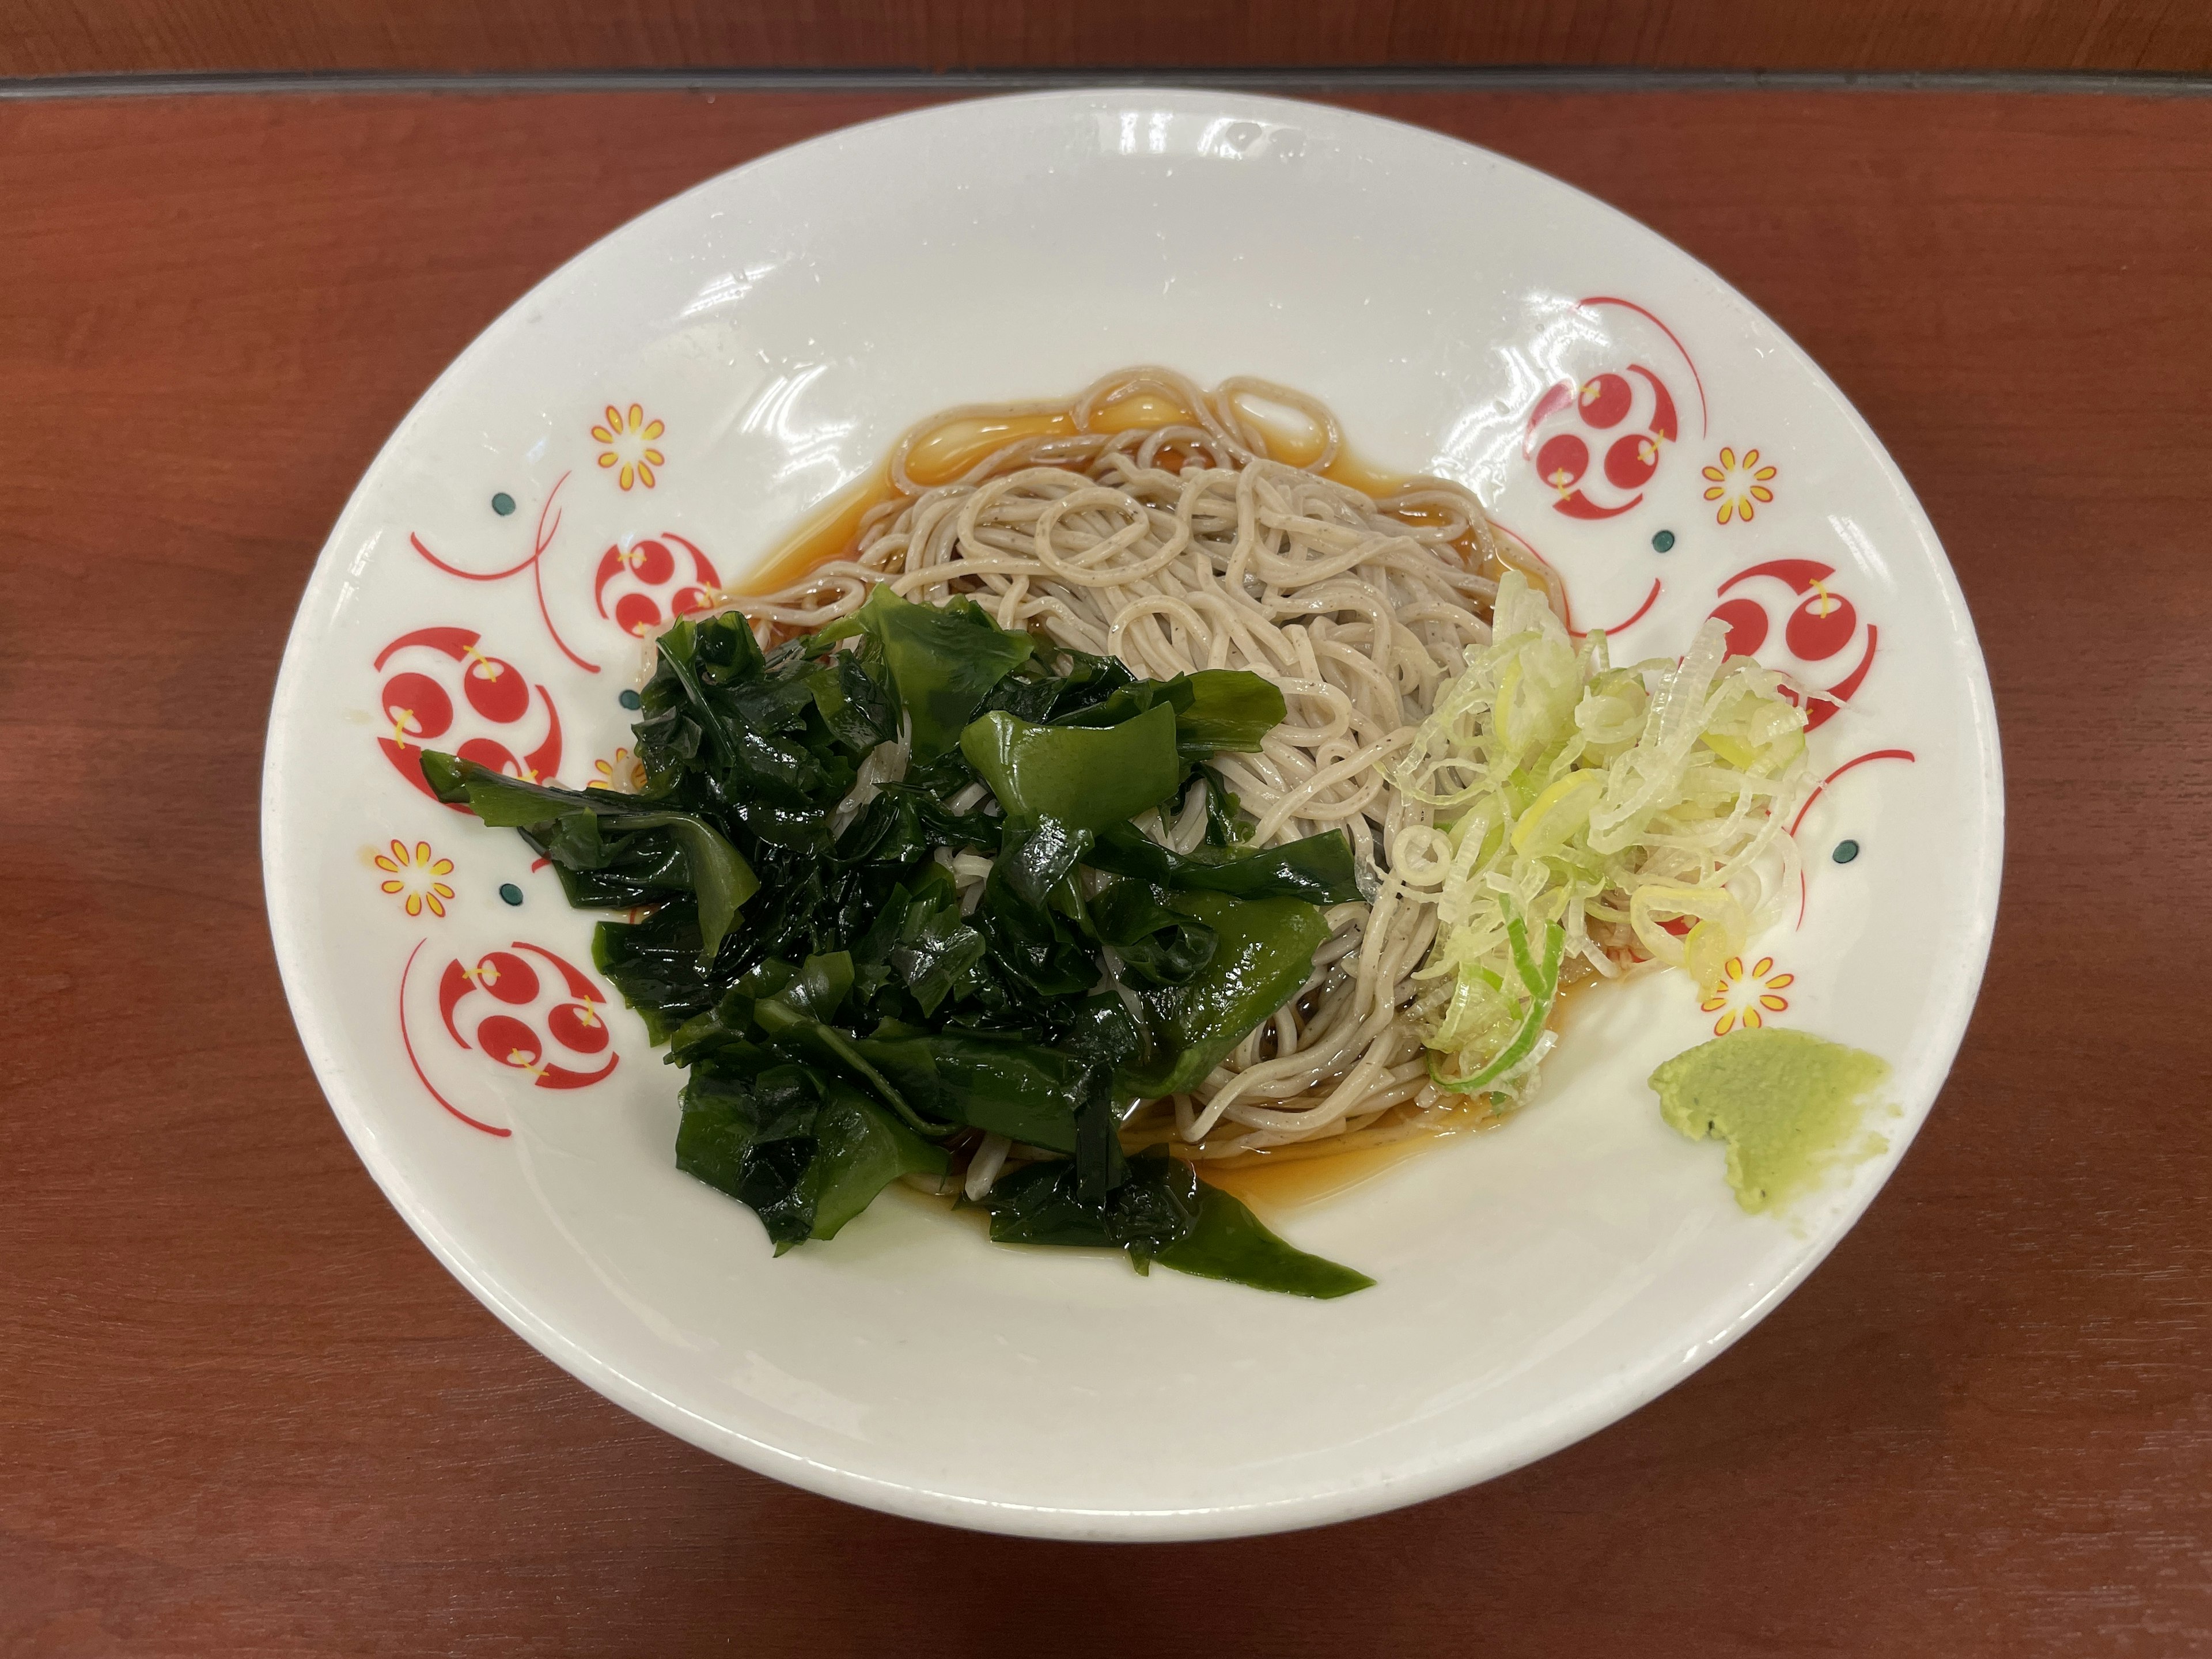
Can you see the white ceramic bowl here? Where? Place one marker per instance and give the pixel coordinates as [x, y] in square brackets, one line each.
[782, 324]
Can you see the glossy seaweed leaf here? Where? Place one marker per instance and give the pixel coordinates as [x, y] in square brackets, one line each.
[1039, 695]
[1040, 1096]
[726, 1029]
[919, 942]
[942, 775]
[678, 730]
[851, 690]
[1101, 1028]
[603, 871]
[996, 1083]
[904, 825]
[609, 852]
[1035, 860]
[789, 1013]
[944, 660]
[1231, 1242]
[1032, 917]
[770, 743]
[729, 1023]
[1226, 823]
[1317, 869]
[1156, 945]
[1263, 953]
[654, 964]
[815, 992]
[1215, 709]
[1086, 777]
[1162, 1214]
[634, 865]
[805, 1154]
[796, 1020]
[1042, 1203]
[507, 802]
[808, 905]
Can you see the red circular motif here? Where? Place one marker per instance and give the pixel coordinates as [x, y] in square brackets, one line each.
[1631, 462]
[1821, 626]
[1605, 401]
[510, 1042]
[1563, 461]
[521, 978]
[575, 1026]
[507, 977]
[417, 705]
[496, 690]
[1622, 379]
[652, 562]
[637, 613]
[632, 588]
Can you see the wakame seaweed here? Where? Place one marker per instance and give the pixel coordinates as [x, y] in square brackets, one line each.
[800, 943]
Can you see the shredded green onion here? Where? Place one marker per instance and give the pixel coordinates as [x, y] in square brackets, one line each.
[1541, 982]
[1550, 789]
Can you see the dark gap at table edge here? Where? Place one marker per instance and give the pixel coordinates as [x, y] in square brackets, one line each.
[1437, 78]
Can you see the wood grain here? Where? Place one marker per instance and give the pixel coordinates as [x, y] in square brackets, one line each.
[71, 37]
[242, 1411]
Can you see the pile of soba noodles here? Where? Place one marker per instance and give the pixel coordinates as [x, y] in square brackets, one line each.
[1181, 529]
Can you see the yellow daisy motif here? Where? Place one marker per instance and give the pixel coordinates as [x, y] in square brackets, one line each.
[1736, 485]
[630, 437]
[625, 773]
[413, 877]
[1746, 999]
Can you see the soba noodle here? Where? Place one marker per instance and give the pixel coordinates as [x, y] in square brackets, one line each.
[1159, 523]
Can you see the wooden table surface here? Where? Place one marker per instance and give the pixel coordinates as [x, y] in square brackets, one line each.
[243, 1411]
[71, 37]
